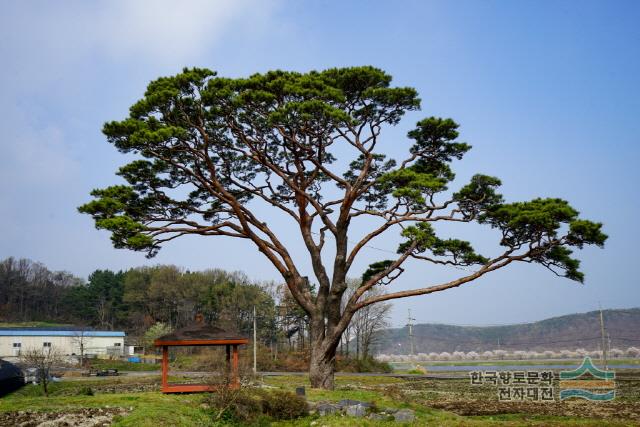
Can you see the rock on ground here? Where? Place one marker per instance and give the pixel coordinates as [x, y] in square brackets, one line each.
[349, 402]
[404, 416]
[327, 409]
[356, 410]
[378, 417]
[87, 417]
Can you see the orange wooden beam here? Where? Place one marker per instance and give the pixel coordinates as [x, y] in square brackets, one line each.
[187, 388]
[235, 378]
[200, 342]
[165, 366]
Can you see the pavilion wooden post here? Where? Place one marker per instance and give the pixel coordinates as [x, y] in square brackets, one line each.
[165, 366]
[235, 378]
[228, 363]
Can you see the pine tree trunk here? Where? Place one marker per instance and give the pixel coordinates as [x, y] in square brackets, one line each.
[322, 367]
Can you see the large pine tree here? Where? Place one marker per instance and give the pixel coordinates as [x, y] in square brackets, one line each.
[213, 149]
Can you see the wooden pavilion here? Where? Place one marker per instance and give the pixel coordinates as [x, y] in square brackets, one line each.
[200, 335]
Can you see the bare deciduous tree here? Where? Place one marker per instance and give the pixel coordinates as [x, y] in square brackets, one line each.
[80, 339]
[368, 325]
[42, 360]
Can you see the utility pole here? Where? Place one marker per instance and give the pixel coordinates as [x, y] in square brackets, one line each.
[410, 324]
[255, 342]
[604, 346]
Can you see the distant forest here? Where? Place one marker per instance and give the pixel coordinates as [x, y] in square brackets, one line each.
[135, 299]
[169, 297]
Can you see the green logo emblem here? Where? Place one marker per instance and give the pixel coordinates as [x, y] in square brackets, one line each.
[588, 382]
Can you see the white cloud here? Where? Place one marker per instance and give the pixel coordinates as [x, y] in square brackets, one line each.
[45, 40]
[167, 30]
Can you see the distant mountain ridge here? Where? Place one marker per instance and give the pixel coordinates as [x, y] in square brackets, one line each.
[571, 331]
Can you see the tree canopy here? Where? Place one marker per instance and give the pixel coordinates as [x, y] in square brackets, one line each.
[210, 148]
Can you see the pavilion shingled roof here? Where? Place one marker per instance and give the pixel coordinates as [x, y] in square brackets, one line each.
[201, 332]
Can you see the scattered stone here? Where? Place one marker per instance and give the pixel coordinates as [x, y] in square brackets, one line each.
[348, 402]
[404, 416]
[356, 410]
[267, 386]
[300, 391]
[378, 417]
[327, 409]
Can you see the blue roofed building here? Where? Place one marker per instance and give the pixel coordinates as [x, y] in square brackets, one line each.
[66, 340]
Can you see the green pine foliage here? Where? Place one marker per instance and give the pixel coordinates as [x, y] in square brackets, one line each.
[196, 130]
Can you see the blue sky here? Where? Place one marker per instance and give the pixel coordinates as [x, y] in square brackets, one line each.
[546, 92]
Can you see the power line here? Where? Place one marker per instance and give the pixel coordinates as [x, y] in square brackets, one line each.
[604, 348]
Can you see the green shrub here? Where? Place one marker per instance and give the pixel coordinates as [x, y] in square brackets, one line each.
[234, 405]
[368, 364]
[284, 405]
[253, 406]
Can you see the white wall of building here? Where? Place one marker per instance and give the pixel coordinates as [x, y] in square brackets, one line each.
[66, 345]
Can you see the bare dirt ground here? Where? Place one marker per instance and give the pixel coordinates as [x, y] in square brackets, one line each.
[460, 397]
[87, 417]
[610, 410]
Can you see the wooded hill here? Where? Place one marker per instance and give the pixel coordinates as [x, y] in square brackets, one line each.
[565, 332]
[135, 299]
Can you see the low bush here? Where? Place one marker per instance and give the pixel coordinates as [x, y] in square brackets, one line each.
[234, 405]
[284, 405]
[368, 364]
[290, 361]
[253, 405]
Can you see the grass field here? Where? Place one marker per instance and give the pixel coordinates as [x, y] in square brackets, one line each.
[123, 366]
[185, 364]
[442, 402]
[31, 324]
